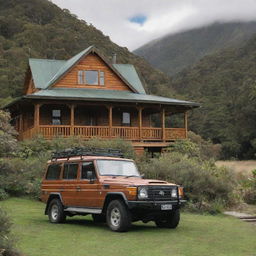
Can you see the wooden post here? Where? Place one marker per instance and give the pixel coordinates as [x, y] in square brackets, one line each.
[20, 126]
[140, 122]
[20, 123]
[186, 123]
[36, 117]
[110, 119]
[163, 124]
[72, 119]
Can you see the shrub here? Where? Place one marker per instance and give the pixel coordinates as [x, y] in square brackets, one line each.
[3, 194]
[196, 146]
[21, 175]
[206, 186]
[8, 143]
[249, 186]
[6, 242]
[42, 148]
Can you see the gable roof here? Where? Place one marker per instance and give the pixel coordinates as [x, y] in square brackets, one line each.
[129, 72]
[43, 70]
[47, 72]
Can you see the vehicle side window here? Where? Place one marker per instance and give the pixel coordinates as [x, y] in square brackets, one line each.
[70, 171]
[53, 172]
[87, 166]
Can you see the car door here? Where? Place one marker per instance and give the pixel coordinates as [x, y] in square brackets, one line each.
[88, 194]
[70, 183]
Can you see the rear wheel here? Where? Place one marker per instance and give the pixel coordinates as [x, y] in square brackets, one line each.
[171, 220]
[118, 216]
[56, 212]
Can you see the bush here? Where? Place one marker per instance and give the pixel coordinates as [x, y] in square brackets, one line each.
[21, 175]
[3, 194]
[196, 146]
[207, 187]
[6, 242]
[42, 148]
[8, 142]
[249, 186]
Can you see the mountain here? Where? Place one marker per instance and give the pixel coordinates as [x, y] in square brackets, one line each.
[40, 29]
[225, 84]
[173, 53]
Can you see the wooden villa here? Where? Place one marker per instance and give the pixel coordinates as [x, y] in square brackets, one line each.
[89, 97]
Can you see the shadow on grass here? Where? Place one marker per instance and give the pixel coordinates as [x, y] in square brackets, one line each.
[135, 227]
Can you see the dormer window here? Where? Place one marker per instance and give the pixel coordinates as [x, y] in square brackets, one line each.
[91, 77]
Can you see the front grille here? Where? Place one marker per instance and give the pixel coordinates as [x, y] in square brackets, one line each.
[160, 193]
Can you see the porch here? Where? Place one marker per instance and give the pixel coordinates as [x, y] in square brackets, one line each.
[136, 123]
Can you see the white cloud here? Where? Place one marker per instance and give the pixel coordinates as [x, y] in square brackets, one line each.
[163, 16]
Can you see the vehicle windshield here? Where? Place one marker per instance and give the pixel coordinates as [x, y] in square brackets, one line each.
[117, 168]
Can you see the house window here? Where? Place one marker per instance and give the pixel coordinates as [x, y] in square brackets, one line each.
[126, 118]
[56, 117]
[91, 77]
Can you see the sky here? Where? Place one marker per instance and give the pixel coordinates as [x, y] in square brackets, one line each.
[133, 23]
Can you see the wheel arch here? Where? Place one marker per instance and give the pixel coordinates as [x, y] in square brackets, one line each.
[113, 196]
[50, 198]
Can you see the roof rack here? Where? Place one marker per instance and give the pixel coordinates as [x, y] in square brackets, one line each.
[83, 151]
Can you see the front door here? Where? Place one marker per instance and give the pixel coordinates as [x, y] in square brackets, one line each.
[88, 194]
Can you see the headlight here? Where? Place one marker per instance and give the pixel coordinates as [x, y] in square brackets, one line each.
[142, 193]
[174, 192]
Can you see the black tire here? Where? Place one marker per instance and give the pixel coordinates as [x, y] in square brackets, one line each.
[99, 218]
[171, 220]
[118, 216]
[56, 212]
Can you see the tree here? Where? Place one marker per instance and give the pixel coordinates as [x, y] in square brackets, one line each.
[8, 142]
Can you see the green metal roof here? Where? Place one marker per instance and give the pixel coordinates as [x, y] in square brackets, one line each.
[129, 72]
[46, 72]
[105, 95]
[43, 70]
[68, 64]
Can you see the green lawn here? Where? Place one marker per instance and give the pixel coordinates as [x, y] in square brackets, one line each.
[196, 235]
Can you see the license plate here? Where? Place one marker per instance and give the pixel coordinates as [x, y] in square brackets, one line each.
[165, 207]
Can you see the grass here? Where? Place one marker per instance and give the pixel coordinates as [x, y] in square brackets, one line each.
[196, 235]
[244, 167]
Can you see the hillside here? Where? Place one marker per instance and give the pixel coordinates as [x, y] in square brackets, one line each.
[173, 53]
[225, 84]
[40, 29]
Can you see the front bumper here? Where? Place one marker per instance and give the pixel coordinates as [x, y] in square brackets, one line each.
[154, 205]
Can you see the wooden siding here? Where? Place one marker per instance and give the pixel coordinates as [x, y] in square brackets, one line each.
[92, 62]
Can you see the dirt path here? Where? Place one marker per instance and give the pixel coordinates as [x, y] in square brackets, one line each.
[242, 216]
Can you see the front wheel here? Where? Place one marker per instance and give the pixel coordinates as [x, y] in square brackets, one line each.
[56, 212]
[118, 216]
[171, 220]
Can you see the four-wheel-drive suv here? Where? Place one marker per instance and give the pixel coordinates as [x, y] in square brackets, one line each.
[102, 183]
